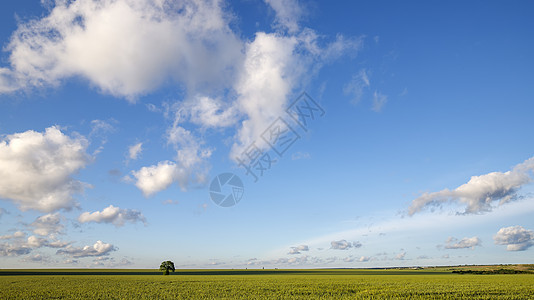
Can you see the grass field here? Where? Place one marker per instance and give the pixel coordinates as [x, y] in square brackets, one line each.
[432, 283]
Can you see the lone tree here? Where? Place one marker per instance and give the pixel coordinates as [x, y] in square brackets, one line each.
[166, 266]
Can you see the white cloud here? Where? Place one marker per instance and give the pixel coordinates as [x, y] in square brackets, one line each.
[379, 100]
[288, 13]
[341, 245]
[7, 249]
[16, 235]
[364, 259]
[481, 191]
[269, 74]
[135, 150]
[98, 249]
[57, 244]
[124, 47]
[189, 150]
[37, 168]
[49, 224]
[400, 256]
[114, 215]
[357, 86]
[109, 262]
[298, 249]
[153, 108]
[70, 261]
[453, 243]
[36, 242]
[210, 112]
[22, 247]
[153, 179]
[275, 66]
[170, 202]
[37, 258]
[300, 155]
[100, 127]
[190, 166]
[516, 238]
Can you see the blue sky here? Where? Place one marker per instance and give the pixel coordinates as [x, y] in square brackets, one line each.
[116, 115]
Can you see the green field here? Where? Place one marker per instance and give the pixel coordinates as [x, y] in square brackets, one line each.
[432, 283]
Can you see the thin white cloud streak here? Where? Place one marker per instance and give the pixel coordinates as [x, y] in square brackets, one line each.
[299, 249]
[481, 192]
[37, 169]
[357, 86]
[379, 100]
[37, 258]
[114, 215]
[135, 150]
[21, 247]
[454, 243]
[98, 249]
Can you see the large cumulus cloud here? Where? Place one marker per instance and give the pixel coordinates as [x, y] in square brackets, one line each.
[37, 169]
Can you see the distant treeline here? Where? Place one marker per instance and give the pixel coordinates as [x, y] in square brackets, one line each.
[489, 272]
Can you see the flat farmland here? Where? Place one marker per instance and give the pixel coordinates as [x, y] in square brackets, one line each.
[430, 283]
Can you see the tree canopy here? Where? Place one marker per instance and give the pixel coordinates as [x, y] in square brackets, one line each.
[166, 266]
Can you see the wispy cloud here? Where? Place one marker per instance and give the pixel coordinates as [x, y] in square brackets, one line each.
[379, 100]
[357, 86]
[299, 249]
[454, 243]
[98, 249]
[288, 14]
[135, 150]
[300, 155]
[400, 256]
